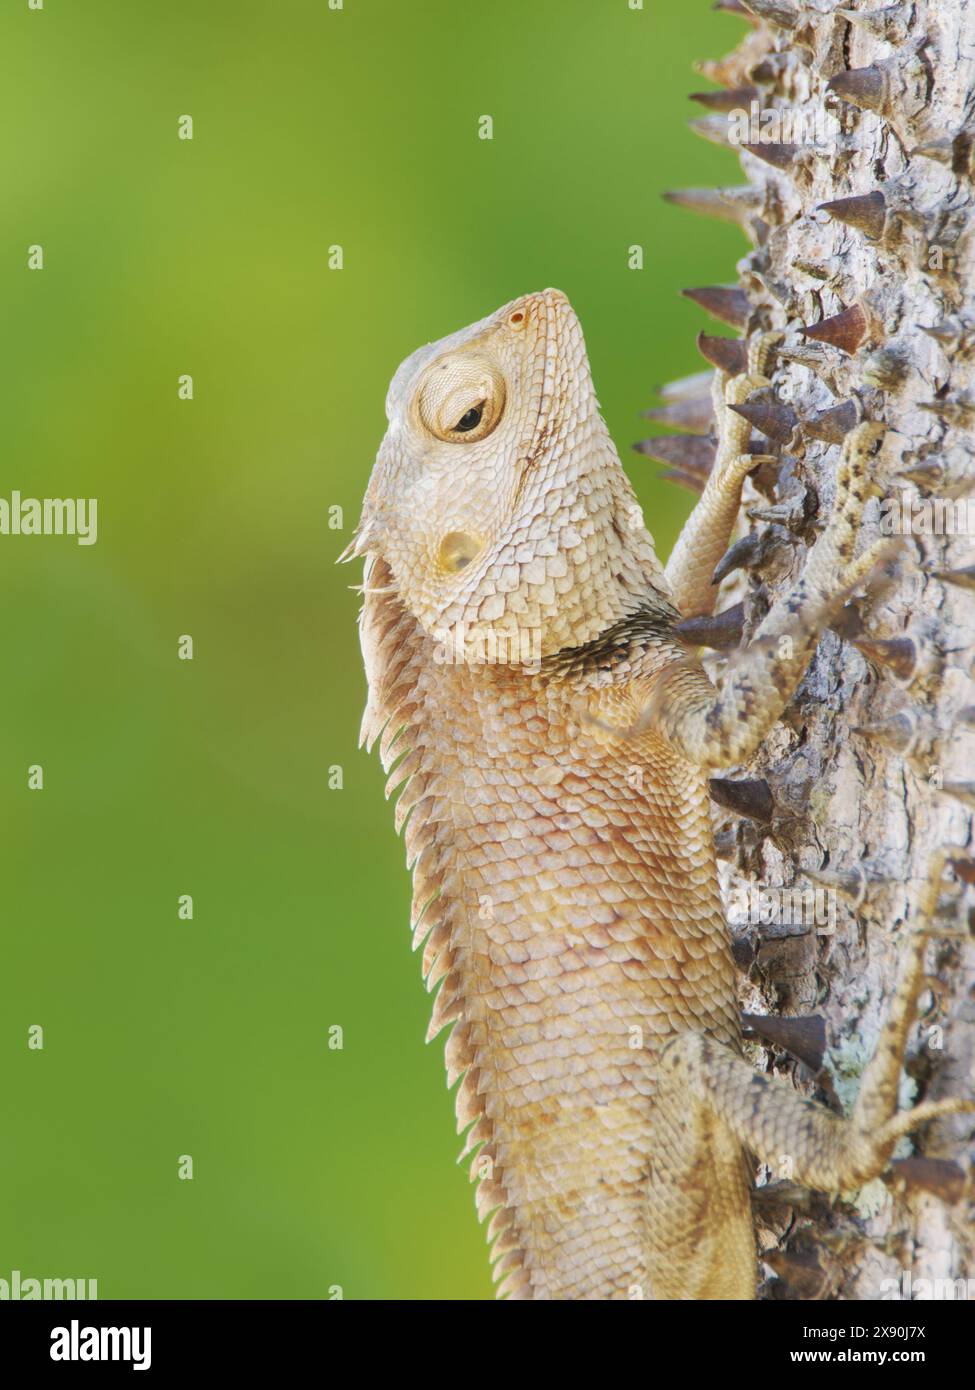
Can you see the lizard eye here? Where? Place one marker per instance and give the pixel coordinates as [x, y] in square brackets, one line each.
[470, 420]
[461, 398]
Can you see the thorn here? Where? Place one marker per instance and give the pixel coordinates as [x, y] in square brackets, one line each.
[690, 453]
[691, 481]
[884, 369]
[735, 204]
[899, 732]
[867, 213]
[927, 475]
[751, 797]
[805, 1277]
[805, 1038]
[951, 334]
[734, 7]
[862, 87]
[961, 791]
[847, 623]
[846, 330]
[942, 151]
[728, 100]
[782, 1193]
[818, 358]
[955, 412]
[890, 23]
[962, 578]
[718, 631]
[964, 870]
[898, 654]
[957, 152]
[693, 416]
[782, 157]
[726, 844]
[771, 418]
[725, 71]
[771, 69]
[790, 512]
[849, 883]
[728, 354]
[936, 1175]
[715, 129]
[685, 388]
[833, 425]
[744, 554]
[781, 14]
[725, 302]
[884, 87]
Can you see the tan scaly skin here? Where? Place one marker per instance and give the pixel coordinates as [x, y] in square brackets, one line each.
[555, 741]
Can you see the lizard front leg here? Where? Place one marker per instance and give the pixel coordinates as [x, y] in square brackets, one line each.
[778, 1125]
[714, 729]
[704, 538]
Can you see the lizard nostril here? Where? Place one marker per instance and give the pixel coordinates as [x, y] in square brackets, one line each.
[517, 317]
[457, 550]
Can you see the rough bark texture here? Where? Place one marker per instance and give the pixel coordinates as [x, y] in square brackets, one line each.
[845, 799]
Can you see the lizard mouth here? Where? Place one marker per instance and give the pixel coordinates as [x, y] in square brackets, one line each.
[551, 308]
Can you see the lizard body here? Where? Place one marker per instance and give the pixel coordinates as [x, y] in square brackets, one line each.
[552, 739]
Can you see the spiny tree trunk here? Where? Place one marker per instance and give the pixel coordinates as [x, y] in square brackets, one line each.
[868, 769]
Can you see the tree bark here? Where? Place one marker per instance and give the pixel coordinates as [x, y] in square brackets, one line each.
[864, 766]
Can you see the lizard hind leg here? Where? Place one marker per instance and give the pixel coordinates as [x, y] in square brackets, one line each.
[793, 1134]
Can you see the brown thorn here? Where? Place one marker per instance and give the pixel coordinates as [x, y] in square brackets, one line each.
[691, 481]
[742, 555]
[690, 453]
[938, 1176]
[781, 14]
[862, 87]
[693, 416]
[890, 23]
[728, 303]
[833, 425]
[719, 630]
[845, 330]
[961, 578]
[735, 204]
[728, 354]
[898, 654]
[805, 1038]
[867, 213]
[898, 732]
[781, 157]
[730, 99]
[735, 7]
[751, 797]
[715, 129]
[771, 418]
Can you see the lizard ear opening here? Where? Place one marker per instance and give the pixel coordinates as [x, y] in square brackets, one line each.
[461, 399]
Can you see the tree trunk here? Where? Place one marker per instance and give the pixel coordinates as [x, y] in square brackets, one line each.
[869, 766]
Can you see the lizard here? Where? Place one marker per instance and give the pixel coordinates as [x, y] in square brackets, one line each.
[551, 738]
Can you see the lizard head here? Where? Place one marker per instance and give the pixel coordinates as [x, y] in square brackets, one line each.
[498, 501]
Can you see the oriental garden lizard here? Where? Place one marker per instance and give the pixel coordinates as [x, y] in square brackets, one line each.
[552, 737]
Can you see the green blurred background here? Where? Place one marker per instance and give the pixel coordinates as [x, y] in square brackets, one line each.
[312, 1167]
